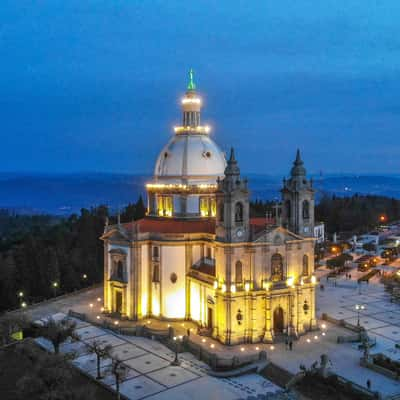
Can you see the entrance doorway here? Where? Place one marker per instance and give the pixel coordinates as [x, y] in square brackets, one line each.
[118, 302]
[209, 318]
[278, 320]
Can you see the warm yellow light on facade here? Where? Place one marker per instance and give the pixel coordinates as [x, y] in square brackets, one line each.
[191, 100]
[313, 279]
[233, 288]
[212, 345]
[301, 281]
[98, 316]
[215, 284]
[102, 309]
[290, 281]
[247, 286]
[242, 349]
[266, 284]
[91, 305]
[272, 347]
[223, 288]
[308, 341]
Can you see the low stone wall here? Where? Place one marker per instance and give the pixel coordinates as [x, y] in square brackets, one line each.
[217, 362]
[341, 322]
[378, 368]
[358, 389]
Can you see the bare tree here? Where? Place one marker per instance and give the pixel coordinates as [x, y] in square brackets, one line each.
[95, 347]
[57, 332]
[119, 371]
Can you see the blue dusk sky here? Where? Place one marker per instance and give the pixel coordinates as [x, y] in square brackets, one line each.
[95, 85]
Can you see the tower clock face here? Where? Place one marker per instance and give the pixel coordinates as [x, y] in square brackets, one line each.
[239, 233]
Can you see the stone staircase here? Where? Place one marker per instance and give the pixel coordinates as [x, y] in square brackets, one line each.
[277, 375]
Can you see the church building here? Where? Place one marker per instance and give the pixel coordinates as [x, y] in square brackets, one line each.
[197, 255]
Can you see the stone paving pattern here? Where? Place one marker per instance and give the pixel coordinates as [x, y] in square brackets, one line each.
[150, 374]
[380, 317]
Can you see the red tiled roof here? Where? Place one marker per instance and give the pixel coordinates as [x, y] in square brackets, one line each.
[173, 225]
[259, 223]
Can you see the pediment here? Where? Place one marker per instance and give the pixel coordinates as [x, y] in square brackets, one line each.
[278, 236]
[115, 235]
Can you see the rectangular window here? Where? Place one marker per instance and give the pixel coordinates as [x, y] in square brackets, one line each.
[164, 206]
[204, 206]
[208, 207]
[213, 207]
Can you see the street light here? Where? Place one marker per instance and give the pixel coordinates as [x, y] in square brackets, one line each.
[21, 294]
[176, 361]
[23, 304]
[55, 286]
[359, 308]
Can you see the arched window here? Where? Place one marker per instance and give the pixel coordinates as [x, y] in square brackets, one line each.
[276, 267]
[120, 270]
[156, 273]
[306, 209]
[305, 265]
[209, 252]
[238, 272]
[155, 252]
[288, 209]
[239, 212]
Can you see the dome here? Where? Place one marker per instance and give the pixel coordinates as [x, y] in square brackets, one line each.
[190, 158]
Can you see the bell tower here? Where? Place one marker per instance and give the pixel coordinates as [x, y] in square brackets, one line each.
[298, 200]
[232, 197]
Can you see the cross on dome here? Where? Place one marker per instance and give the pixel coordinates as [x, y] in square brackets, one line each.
[191, 85]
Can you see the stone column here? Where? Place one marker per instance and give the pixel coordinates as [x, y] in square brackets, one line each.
[269, 334]
[106, 284]
[189, 263]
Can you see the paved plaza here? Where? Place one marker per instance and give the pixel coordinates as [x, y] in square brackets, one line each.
[150, 374]
[380, 317]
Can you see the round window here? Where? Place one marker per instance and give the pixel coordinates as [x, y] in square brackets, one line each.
[174, 277]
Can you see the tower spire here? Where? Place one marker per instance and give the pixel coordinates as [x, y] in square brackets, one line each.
[191, 105]
[191, 85]
[298, 166]
[232, 168]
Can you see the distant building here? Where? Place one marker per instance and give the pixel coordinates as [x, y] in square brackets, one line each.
[198, 256]
[319, 232]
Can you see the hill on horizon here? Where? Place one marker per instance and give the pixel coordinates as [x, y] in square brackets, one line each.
[64, 194]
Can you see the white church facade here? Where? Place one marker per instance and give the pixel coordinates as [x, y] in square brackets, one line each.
[198, 256]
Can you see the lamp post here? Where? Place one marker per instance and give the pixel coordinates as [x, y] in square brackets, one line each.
[55, 286]
[359, 308]
[176, 361]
